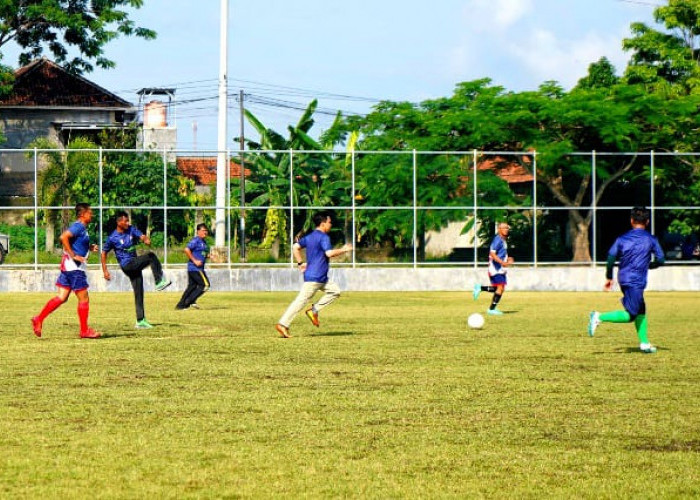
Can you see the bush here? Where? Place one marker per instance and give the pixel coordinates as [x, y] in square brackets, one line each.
[22, 237]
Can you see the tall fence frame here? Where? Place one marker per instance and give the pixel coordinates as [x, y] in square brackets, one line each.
[354, 209]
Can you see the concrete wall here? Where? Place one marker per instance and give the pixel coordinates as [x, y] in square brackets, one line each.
[676, 278]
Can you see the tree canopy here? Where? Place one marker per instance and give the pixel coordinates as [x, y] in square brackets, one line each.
[62, 26]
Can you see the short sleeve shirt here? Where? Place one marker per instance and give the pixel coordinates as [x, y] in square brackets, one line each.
[123, 244]
[316, 243]
[199, 249]
[80, 244]
[500, 247]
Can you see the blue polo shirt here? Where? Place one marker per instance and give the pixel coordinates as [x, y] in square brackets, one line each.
[123, 244]
[634, 250]
[500, 247]
[199, 249]
[316, 243]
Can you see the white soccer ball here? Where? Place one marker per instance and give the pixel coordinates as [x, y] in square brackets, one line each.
[475, 321]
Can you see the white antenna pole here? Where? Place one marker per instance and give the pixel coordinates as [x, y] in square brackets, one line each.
[220, 235]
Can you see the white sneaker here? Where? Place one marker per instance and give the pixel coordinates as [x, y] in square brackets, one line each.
[647, 348]
[593, 322]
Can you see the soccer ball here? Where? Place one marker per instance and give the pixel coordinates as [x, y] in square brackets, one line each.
[475, 321]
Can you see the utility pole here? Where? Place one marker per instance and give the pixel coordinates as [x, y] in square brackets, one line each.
[220, 231]
[242, 237]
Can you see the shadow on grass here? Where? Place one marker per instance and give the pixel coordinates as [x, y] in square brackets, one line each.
[332, 334]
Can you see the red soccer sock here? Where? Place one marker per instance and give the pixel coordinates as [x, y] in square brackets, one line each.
[50, 307]
[83, 313]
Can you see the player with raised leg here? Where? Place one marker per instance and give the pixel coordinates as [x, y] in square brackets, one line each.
[634, 250]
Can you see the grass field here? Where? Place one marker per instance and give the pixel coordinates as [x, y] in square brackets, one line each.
[393, 397]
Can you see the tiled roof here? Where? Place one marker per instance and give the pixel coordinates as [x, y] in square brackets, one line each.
[203, 169]
[45, 83]
[509, 171]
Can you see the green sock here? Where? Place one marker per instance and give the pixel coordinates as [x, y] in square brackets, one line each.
[615, 317]
[641, 323]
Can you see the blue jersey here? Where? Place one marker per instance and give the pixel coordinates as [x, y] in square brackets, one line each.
[80, 244]
[317, 243]
[199, 250]
[634, 250]
[123, 244]
[499, 246]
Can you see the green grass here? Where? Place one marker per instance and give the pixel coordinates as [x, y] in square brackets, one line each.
[393, 397]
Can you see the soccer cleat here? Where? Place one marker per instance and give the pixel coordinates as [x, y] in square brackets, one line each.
[282, 330]
[163, 284]
[494, 312]
[89, 334]
[194, 306]
[593, 322]
[36, 326]
[143, 324]
[313, 317]
[477, 291]
[647, 348]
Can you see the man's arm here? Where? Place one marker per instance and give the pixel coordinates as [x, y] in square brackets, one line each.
[105, 271]
[339, 251]
[191, 256]
[609, 265]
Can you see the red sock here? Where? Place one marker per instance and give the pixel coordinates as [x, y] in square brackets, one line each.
[83, 312]
[50, 307]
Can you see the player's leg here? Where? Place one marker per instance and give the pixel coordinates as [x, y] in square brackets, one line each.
[53, 304]
[307, 291]
[641, 324]
[498, 281]
[201, 281]
[478, 288]
[83, 314]
[136, 278]
[331, 293]
[157, 268]
[185, 302]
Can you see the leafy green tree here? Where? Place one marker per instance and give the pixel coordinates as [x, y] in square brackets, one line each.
[601, 74]
[316, 181]
[667, 60]
[63, 25]
[68, 177]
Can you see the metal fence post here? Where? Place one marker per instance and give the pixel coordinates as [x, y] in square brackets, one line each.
[165, 209]
[291, 208]
[594, 208]
[534, 208]
[652, 194]
[352, 195]
[415, 209]
[36, 210]
[476, 221]
[99, 166]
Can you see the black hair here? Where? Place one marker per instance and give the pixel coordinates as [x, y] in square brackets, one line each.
[202, 226]
[640, 215]
[120, 214]
[81, 208]
[320, 217]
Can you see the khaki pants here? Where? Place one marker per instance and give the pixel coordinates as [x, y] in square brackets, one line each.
[330, 290]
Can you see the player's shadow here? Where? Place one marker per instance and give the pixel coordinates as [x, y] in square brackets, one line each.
[332, 334]
[635, 350]
[112, 336]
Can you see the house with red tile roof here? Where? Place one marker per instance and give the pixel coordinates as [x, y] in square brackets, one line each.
[202, 169]
[48, 101]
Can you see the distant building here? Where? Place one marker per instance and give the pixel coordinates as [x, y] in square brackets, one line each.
[202, 169]
[48, 101]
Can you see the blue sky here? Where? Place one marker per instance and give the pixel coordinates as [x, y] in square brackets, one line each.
[352, 54]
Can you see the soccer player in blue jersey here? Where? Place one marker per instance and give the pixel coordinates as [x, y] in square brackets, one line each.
[76, 247]
[123, 240]
[197, 280]
[498, 264]
[634, 250]
[318, 252]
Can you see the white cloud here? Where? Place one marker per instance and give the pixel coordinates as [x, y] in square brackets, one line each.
[487, 15]
[547, 57]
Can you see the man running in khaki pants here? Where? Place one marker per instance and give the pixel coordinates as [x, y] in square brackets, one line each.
[318, 252]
